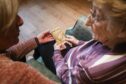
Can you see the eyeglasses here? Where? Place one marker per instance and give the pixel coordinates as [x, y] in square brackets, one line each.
[95, 16]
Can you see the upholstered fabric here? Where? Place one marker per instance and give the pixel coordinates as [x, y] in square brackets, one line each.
[80, 30]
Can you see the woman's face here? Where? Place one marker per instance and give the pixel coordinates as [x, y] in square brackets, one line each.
[14, 30]
[10, 37]
[99, 24]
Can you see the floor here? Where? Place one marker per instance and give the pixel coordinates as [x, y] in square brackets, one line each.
[42, 15]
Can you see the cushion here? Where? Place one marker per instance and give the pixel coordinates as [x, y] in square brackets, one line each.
[80, 30]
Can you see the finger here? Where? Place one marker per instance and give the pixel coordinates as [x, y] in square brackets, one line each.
[52, 39]
[55, 44]
[63, 46]
[67, 43]
[47, 32]
[69, 36]
[70, 44]
[50, 35]
[49, 39]
[68, 39]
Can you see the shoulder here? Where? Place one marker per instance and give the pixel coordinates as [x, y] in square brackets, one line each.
[22, 73]
[85, 45]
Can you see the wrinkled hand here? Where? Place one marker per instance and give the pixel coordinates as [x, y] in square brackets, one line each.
[72, 40]
[59, 46]
[45, 37]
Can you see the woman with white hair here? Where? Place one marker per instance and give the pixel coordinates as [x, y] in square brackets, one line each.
[101, 60]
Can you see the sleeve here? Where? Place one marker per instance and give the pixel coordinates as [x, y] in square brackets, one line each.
[22, 48]
[81, 42]
[21, 73]
[62, 69]
[61, 66]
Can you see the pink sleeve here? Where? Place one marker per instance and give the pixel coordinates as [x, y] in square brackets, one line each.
[21, 49]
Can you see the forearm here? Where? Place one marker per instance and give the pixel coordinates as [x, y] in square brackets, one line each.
[61, 66]
[22, 48]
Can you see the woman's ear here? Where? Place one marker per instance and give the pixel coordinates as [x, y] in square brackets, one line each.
[88, 21]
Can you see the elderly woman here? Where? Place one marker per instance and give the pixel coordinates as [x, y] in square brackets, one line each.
[102, 60]
[13, 72]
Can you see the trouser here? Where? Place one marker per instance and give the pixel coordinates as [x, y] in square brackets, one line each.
[46, 52]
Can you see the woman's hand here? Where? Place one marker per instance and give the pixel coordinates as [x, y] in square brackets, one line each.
[72, 40]
[59, 46]
[45, 37]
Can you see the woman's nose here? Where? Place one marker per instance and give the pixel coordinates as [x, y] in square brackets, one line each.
[89, 21]
[19, 21]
